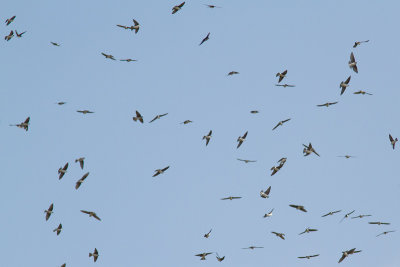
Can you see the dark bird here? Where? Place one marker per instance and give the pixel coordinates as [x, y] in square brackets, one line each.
[280, 123]
[58, 229]
[207, 137]
[254, 112]
[23, 125]
[205, 39]
[344, 85]
[353, 63]
[298, 207]
[49, 211]
[64, 265]
[61, 103]
[95, 255]
[327, 104]
[346, 254]
[219, 258]
[212, 6]
[186, 122]
[347, 215]
[308, 230]
[276, 169]
[19, 34]
[385, 233]
[123, 26]
[80, 181]
[281, 235]
[285, 85]
[331, 213]
[81, 162]
[379, 223]
[346, 156]
[128, 60]
[62, 171]
[309, 149]
[108, 56]
[247, 160]
[177, 8]
[265, 194]
[308, 257]
[158, 117]
[208, 234]
[361, 93]
[203, 255]
[8, 21]
[241, 139]
[361, 216]
[269, 214]
[281, 75]
[230, 198]
[9, 36]
[136, 27]
[360, 42]
[55, 44]
[252, 247]
[393, 141]
[91, 214]
[160, 171]
[138, 117]
[232, 73]
[85, 111]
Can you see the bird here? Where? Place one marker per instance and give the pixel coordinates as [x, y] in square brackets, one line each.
[91, 214]
[346, 156]
[254, 111]
[361, 216]
[308, 230]
[108, 56]
[158, 117]
[8, 21]
[327, 104]
[379, 223]
[205, 39]
[64, 265]
[49, 211]
[269, 214]
[23, 125]
[9, 36]
[95, 254]
[281, 235]
[138, 117]
[55, 44]
[252, 247]
[309, 149]
[219, 258]
[80, 181]
[160, 171]
[19, 35]
[186, 122]
[276, 169]
[393, 141]
[347, 215]
[353, 63]
[61, 103]
[241, 139]
[360, 42]
[285, 85]
[247, 160]
[344, 85]
[265, 194]
[346, 254]
[62, 171]
[207, 137]
[203, 255]
[361, 93]
[85, 111]
[177, 8]
[282, 161]
[208, 234]
[128, 60]
[232, 73]
[230, 198]
[331, 213]
[136, 27]
[308, 257]
[280, 123]
[123, 26]
[281, 75]
[386, 232]
[212, 6]
[298, 207]
[81, 162]
[58, 229]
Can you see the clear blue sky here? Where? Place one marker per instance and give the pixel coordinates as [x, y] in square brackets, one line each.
[161, 221]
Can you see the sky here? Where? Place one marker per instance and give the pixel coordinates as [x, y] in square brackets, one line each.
[161, 221]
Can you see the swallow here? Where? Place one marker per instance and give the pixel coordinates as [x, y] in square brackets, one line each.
[308, 230]
[219, 258]
[379, 223]
[23, 125]
[360, 42]
[128, 60]
[9, 36]
[280, 123]
[308, 257]
[346, 156]
[282, 161]
[298, 207]
[230, 198]
[203, 255]
[138, 117]
[207, 137]
[285, 85]
[269, 214]
[123, 26]
[205, 39]
[81, 162]
[281, 235]
[95, 255]
[62, 171]
[331, 213]
[80, 181]
[61, 103]
[55, 44]
[275, 169]
[160, 171]
[361, 216]
[8, 21]
[346, 254]
[158, 117]
[136, 27]
[347, 215]
[232, 73]
[212, 6]
[252, 247]
[177, 8]
[19, 35]
[64, 265]
[49, 211]
[208, 234]
[353, 63]
[327, 104]
[281, 75]
[247, 160]
[58, 229]
[254, 112]
[85, 111]
[91, 214]
[385, 233]
[108, 56]
[241, 139]
[344, 85]
[186, 122]
[393, 141]
[361, 92]
[309, 149]
[265, 194]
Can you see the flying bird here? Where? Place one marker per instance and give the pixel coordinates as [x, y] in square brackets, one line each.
[80, 181]
[269, 214]
[393, 141]
[91, 214]
[276, 169]
[49, 211]
[360, 42]
[203, 255]
[177, 8]
[265, 194]
[186, 122]
[95, 255]
[123, 26]
[108, 56]
[207, 137]
[212, 6]
[346, 253]
[219, 258]
[61, 103]
[252, 247]
[64, 265]
[128, 60]
[281, 75]
[385, 233]
[19, 35]
[8, 21]
[9, 36]
[254, 111]
[247, 160]
[285, 85]
[158, 117]
[58, 229]
[361, 216]
[205, 39]
[232, 73]
[23, 125]
[241, 139]
[347, 215]
[85, 111]
[361, 93]
[379, 223]
[344, 85]
[280, 123]
[62, 171]
[138, 117]
[308, 230]
[308, 257]
[327, 104]
[346, 156]
[353, 63]
[331, 213]
[208, 234]
[281, 235]
[282, 161]
[55, 44]
[136, 27]
[298, 207]
[160, 171]
[309, 149]
[230, 198]
[81, 162]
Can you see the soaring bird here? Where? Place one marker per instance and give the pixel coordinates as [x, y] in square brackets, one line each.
[230, 198]
[379, 223]
[327, 104]
[80, 181]
[212, 6]
[207, 137]
[91, 214]
[95, 255]
[361, 216]
[186, 122]
[346, 254]
[19, 35]
[308, 230]
[265, 194]
[285, 85]
[128, 60]
[23, 125]
[282, 161]
[254, 111]
[361, 93]
[393, 141]
[269, 214]
[247, 160]
[281, 75]
[252, 247]
[347, 215]
[344, 85]
[275, 169]
[308, 257]
[62, 171]
[8, 21]
[232, 73]
[219, 258]
[136, 27]
[55, 44]
[353, 63]
[158, 117]
[346, 156]
[81, 161]
[280, 123]
[9, 36]
[360, 42]
[160, 171]
[85, 111]
[205, 39]
[208, 234]
[58, 229]
[331, 213]
[203, 255]
[241, 139]
[177, 8]
[385, 233]
[108, 56]
[309, 149]
[61, 103]
[298, 207]
[281, 235]
[123, 26]
[138, 117]
[49, 211]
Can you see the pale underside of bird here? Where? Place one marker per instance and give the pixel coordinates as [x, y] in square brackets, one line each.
[158, 117]
[344, 85]
[241, 139]
[203, 255]
[280, 123]
[205, 39]
[331, 213]
[265, 194]
[108, 56]
[207, 137]
[80, 181]
[281, 75]
[247, 160]
[91, 214]
[327, 104]
[393, 140]
[353, 63]
[23, 125]
[269, 214]
[177, 8]
[62, 171]
[138, 117]
[308, 257]
[275, 169]
[207, 235]
[309, 149]
[281, 235]
[49, 211]
[308, 230]
[160, 171]
[95, 254]
[346, 253]
[298, 207]
[230, 198]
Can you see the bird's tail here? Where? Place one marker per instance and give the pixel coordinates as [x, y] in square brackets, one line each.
[90, 254]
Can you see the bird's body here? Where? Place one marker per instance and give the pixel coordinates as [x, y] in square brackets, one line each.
[353, 63]
[9, 36]
[309, 149]
[128, 60]
[203, 255]
[23, 125]
[85, 111]
[80, 181]
[177, 8]
[232, 73]
[331, 213]
[158, 117]
[205, 39]
[275, 169]
[361, 93]
[361, 216]
[298, 207]
[379, 223]
[308, 257]
[19, 35]
[108, 56]
[212, 6]
[160, 171]
[95, 254]
[81, 162]
[136, 27]
[385, 233]
[91, 214]
[252, 247]
[281, 235]
[281, 75]
[55, 44]
[207, 137]
[230, 198]
[265, 194]
[49, 211]
[8, 21]
[208, 234]
[247, 160]
[359, 42]
[280, 123]
[138, 117]
[241, 139]
[346, 253]
[58, 229]
[347, 215]
[393, 141]
[308, 230]
[344, 85]
[327, 104]
[285, 85]
[269, 214]
[62, 171]
[186, 122]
